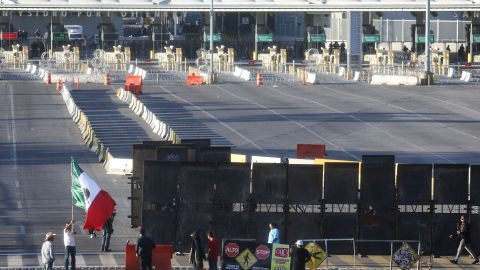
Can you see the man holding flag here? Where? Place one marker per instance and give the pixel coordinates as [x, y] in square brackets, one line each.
[86, 194]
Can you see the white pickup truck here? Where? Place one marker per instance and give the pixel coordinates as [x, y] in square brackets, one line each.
[75, 32]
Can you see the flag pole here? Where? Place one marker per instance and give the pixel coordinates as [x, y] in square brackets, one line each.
[71, 187]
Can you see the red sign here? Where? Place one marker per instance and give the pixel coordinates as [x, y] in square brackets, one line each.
[281, 252]
[262, 252]
[9, 36]
[232, 250]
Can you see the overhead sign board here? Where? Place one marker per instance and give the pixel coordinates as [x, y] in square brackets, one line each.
[317, 37]
[371, 38]
[217, 37]
[265, 37]
[421, 39]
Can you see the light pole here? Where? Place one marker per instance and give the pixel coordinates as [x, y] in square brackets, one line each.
[427, 41]
[211, 41]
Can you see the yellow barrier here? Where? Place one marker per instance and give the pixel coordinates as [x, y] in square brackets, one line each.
[237, 158]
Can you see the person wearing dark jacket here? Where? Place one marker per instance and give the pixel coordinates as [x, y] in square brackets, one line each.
[107, 233]
[144, 249]
[463, 232]
[300, 256]
[197, 254]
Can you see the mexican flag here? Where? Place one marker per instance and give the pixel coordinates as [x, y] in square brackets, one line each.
[87, 195]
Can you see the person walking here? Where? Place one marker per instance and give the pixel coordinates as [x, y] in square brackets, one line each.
[197, 255]
[145, 246]
[463, 232]
[48, 257]
[274, 234]
[107, 233]
[300, 256]
[213, 251]
[69, 242]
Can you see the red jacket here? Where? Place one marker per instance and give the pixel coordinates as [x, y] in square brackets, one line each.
[213, 249]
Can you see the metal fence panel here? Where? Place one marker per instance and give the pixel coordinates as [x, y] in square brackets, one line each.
[451, 184]
[269, 183]
[341, 183]
[414, 184]
[304, 184]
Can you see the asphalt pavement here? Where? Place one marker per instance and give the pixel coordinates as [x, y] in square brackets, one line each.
[37, 139]
[435, 124]
[428, 124]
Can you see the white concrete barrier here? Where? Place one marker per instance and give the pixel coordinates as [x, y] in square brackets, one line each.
[119, 166]
[237, 72]
[131, 69]
[451, 72]
[311, 78]
[464, 75]
[29, 66]
[341, 72]
[356, 76]
[394, 80]
[468, 77]
[246, 75]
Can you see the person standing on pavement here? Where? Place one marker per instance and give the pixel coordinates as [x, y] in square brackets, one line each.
[274, 234]
[197, 255]
[300, 256]
[107, 233]
[463, 232]
[48, 257]
[213, 251]
[69, 241]
[145, 246]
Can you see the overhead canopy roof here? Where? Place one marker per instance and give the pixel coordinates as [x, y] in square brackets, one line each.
[238, 5]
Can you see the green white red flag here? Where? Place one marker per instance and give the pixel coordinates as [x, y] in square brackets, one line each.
[86, 194]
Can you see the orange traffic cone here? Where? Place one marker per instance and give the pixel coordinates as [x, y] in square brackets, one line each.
[259, 79]
[59, 85]
[106, 79]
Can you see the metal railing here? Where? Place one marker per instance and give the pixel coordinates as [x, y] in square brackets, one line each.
[355, 245]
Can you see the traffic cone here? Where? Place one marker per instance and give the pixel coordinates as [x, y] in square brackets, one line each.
[59, 85]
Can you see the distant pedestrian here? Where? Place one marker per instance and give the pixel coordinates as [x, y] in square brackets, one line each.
[107, 233]
[213, 251]
[463, 232]
[69, 241]
[197, 254]
[48, 256]
[461, 53]
[300, 256]
[92, 233]
[145, 246]
[274, 234]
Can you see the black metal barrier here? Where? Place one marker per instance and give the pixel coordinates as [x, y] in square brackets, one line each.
[306, 201]
[189, 150]
[475, 206]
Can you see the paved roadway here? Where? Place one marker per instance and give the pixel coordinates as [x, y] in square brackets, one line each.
[37, 139]
[437, 124]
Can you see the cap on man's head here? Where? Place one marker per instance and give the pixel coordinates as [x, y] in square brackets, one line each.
[49, 235]
[299, 243]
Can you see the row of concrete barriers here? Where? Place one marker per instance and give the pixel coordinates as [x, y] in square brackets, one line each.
[112, 165]
[136, 71]
[159, 127]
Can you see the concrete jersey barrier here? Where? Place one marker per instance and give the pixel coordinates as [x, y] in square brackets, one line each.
[394, 80]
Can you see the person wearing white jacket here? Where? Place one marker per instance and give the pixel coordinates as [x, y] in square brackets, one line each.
[48, 256]
[69, 241]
